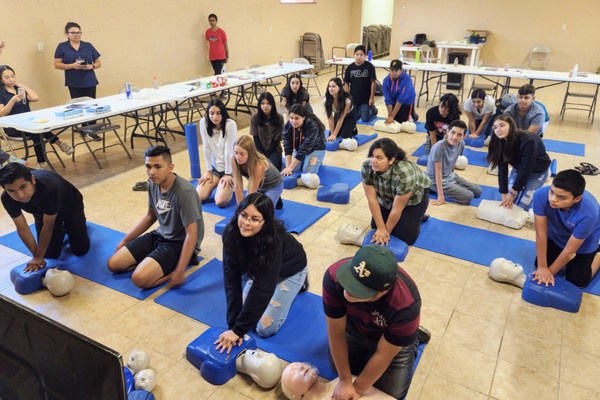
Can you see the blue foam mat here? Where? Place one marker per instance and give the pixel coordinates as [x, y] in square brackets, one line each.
[477, 158]
[360, 139]
[487, 193]
[371, 122]
[92, 265]
[558, 146]
[329, 175]
[205, 286]
[473, 244]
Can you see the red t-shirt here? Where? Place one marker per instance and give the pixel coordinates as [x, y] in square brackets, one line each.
[217, 40]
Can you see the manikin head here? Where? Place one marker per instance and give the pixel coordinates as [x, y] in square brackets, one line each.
[145, 380]
[264, 368]
[503, 270]
[297, 378]
[138, 360]
[58, 282]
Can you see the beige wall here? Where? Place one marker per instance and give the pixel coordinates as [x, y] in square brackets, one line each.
[517, 26]
[142, 38]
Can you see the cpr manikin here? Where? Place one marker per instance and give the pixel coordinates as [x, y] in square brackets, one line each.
[461, 162]
[395, 127]
[350, 234]
[138, 360]
[503, 270]
[515, 218]
[311, 181]
[58, 282]
[349, 144]
[301, 381]
[145, 380]
[264, 368]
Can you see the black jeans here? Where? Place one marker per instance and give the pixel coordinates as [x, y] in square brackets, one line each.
[36, 138]
[409, 226]
[396, 379]
[73, 225]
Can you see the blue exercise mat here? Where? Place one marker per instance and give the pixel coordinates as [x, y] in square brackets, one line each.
[477, 158]
[205, 287]
[92, 265]
[371, 122]
[473, 244]
[558, 146]
[360, 140]
[303, 336]
[487, 193]
[329, 175]
[421, 127]
[296, 217]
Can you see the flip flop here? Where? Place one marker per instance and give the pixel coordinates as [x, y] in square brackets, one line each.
[587, 169]
[588, 165]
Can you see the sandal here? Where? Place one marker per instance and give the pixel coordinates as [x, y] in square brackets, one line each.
[587, 169]
[589, 166]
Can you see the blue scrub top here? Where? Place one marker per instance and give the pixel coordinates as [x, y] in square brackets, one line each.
[78, 78]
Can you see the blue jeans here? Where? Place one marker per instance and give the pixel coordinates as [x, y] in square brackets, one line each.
[306, 166]
[273, 193]
[534, 182]
[396, 379]
[279, 306]
[366, 112]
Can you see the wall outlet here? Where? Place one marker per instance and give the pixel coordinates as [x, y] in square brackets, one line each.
[564, 27]
[41, 47]
[403, 9]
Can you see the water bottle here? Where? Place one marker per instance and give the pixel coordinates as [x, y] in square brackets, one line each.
[456, 61]
[402, 56]
[575, 72]
[506, 66]
[334, 58]
[224, 70]
[197, 83]
[281, 62]
[418, 56]
[155, 83]
[571, 72]
[370, 55]
[22, 91]
[128, 90]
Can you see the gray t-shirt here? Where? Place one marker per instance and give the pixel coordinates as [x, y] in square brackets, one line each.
[175, 209]
[272, 178]
[447, 155]
[535, 116]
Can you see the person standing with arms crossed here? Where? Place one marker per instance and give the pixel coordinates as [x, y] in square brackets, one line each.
[218, 51]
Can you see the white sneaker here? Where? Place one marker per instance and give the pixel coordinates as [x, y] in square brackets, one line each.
[487, 140]
[42, 165]
[13, 159]
[68, 150]
[493, 171]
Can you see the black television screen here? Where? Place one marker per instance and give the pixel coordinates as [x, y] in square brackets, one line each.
[42, 359]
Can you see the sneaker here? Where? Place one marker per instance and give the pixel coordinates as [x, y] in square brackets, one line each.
[487, 140]
[140, 187]
[492, 171]
[279, 204]
[305, 286]
[42, 165]
[425, 218]
[223, 96]
[68, 150]
[13, 159]
[92, 136]
[375, 110]
[423, 335]
[414, 116]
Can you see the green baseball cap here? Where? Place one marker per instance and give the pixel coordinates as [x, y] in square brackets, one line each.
[372, 269]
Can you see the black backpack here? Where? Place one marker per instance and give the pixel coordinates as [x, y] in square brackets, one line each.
[420, 38]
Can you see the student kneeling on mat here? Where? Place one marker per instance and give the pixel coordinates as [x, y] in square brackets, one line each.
[257, 246]
[440, 167]
[372, 310]
[56, 205]
[567, 228]
[162, 254]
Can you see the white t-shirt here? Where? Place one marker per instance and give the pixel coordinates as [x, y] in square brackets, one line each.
[489, 107]
[218, 148]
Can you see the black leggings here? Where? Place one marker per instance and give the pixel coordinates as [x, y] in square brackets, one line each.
[76, 92]
[409, 226]
[348, 128]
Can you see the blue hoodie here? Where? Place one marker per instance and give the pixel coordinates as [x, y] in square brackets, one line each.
[401, 91]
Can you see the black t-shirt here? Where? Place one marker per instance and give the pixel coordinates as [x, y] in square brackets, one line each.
[53, 195]
[435, 122]
[360, 77]
[297, 98]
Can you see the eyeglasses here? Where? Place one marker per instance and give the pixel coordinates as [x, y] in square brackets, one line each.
[251, 220]
[75, 33]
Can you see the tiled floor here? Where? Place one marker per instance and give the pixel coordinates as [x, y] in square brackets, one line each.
[487, 342]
